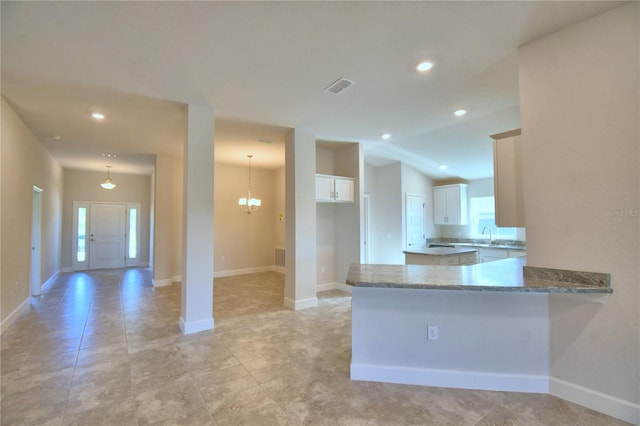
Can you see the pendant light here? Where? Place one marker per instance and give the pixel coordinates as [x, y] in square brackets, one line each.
[107, 184]
[248, 204]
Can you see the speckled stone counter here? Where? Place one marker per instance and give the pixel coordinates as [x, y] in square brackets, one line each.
[503, 275]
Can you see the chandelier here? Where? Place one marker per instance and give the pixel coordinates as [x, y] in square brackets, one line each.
[107, 184]
[248, 204]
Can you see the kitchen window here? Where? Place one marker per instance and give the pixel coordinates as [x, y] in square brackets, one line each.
[482, 213]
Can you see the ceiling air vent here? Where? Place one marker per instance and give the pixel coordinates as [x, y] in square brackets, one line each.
[339, 86]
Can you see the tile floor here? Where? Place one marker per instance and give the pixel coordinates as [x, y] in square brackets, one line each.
[104, 348]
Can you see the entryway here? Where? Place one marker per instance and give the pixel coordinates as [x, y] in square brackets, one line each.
[105, 235]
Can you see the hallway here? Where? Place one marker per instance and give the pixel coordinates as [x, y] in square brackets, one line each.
[104, 348]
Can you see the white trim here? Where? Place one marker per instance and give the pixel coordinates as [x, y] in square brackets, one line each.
[279, 269]
[598, 401]
[49, 281]
[10, 319]
[176, 278]
[300, 304]
[162, 283]
[344, 287]
[132, 262]
[234, 272]
[333, 286]
[326, 287]
[195, 326]
[451, 378]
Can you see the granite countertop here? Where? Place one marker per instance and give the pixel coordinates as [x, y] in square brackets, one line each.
[441, 251]
[507, 275]
[492, 245]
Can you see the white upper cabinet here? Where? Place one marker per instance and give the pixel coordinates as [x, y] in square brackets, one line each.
[450, 204]
[334, 189]
[507, 178]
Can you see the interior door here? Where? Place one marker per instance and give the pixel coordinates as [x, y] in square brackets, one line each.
[36, 232]
[107, 236]
[414, 212]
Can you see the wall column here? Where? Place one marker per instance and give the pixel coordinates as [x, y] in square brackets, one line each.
[300, 216]
[163, 243]
[197, 237]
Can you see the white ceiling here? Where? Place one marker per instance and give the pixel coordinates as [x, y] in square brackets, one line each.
[262, 68]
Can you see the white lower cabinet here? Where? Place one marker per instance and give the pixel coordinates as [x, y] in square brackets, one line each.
[491, 254]
[453, 259]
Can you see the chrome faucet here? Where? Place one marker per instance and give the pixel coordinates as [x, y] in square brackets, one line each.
[490, 236]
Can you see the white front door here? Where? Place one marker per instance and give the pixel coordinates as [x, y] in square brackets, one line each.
[414, 219]
[107, 236]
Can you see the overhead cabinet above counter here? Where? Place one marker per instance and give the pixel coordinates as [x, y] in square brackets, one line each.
[450, 204]
[334, 189]
[507, 178]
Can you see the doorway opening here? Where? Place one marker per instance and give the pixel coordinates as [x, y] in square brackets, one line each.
[36, 236]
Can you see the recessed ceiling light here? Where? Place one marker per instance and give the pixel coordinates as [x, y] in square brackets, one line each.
[97, 115]
[386, 136]
[460, 112]
[443, 167]
[424, 66]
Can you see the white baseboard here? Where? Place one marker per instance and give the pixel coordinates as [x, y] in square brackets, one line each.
[597, 401]
[344, 287]
[177, 278]
[326, 287]
[279, 269]
[10, 319]
[49, 281]
[234, 272]
[451, 378]
[190, 327]
[333, 286]
[300, 304]
[162, 283]
[65, 269]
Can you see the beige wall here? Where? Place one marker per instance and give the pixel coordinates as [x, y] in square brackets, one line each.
[279, 238]
[386, 215]
[241, 240]
[81, 185]
[167, 241]
[580, 125]
[26, 163]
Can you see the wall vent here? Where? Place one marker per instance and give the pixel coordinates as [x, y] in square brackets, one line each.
[339, 86]
[278, 256]
[264, 140]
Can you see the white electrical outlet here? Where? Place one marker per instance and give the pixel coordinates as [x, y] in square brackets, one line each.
[432, 332]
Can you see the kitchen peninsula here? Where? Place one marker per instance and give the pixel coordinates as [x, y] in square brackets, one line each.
[488, 323]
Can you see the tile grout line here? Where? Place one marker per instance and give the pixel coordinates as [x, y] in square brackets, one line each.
[75, 364]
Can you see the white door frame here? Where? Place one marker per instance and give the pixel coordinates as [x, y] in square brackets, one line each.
[421, 197]
[36, 241]
[77, 265]
[367, 228]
